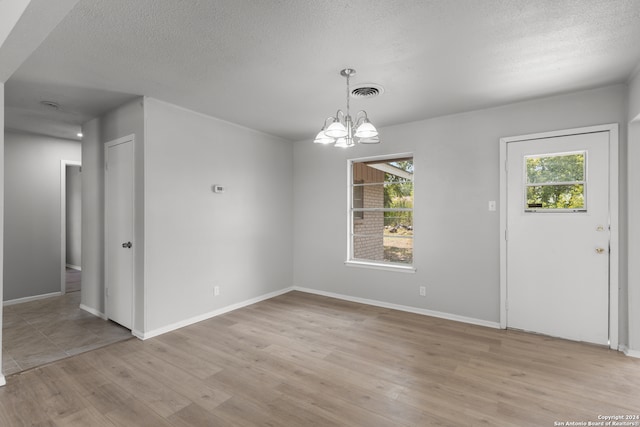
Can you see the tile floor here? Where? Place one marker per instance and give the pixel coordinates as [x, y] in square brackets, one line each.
[39, 332]
[74, 278]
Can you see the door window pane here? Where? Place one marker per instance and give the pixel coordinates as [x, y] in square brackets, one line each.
[555, 197]
[555, 168]
[556, 182]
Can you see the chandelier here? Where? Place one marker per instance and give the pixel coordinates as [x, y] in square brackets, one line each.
[342, 131]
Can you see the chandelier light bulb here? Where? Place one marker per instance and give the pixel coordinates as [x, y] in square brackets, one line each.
[366, 130]
[371, 140]
[322, 138]
[342, 143]
[336, 130]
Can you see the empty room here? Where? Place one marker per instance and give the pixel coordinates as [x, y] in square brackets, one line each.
[320, 213]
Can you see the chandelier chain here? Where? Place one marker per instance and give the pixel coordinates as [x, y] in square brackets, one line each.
[348, 75]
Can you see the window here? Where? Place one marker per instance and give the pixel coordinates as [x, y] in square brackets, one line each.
[358, 199]
[555, 182]
[381, 211]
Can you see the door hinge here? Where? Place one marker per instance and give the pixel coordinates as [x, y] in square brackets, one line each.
[107, 292]
[106, 166]
[506, 234]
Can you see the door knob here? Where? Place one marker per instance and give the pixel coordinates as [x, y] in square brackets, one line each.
[600, 250]
[127, 245]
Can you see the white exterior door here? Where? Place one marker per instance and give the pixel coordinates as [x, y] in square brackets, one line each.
[558, 236]
[119, 230]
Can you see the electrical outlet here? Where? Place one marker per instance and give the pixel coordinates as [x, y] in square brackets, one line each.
[423, 291]
[216, 291]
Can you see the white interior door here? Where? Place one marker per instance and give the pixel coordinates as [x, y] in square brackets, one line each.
[558, 236]
[119, 231]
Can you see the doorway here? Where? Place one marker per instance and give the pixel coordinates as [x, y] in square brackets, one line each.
[559, 249]
[70, 224]
[43, 330]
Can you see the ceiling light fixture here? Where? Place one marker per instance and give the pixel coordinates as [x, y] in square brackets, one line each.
[51, 104]
[340, 129]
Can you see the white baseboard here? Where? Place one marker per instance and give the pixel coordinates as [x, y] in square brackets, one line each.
[93, 311]
[74, 267]
[628, 352]
[138, 334]
[209, 315]
[2, 380]
[415, 310]
[33, 298]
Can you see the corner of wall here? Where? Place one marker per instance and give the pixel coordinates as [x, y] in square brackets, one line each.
[2, 380]
[633, 210]
[633, 96]
[633, 233]
[92, 217]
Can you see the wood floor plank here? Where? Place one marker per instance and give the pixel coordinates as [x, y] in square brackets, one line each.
[194, 415]
[85, 417]
[180, 380]
[18, 407]
[308, 360]
[338, 410]
[136, 414]
[183, 356]
[144, 386]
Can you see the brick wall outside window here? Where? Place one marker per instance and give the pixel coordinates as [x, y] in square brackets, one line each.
[372, 224]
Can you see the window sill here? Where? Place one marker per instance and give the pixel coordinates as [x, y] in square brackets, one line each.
[381, 266]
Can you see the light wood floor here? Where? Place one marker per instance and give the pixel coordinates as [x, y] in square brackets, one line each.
[305, 360]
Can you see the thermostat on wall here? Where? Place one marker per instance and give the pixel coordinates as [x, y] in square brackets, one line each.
[218, 188]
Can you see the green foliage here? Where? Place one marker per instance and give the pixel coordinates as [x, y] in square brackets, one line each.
[398, 193]
[553, 169]
[560, 179]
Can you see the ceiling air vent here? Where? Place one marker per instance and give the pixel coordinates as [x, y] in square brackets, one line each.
[367, 90]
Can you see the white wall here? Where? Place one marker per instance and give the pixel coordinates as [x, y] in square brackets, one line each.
[32, 256]
[239, 240]
[11, 12]
[92, 235]
[633, 112]
[633, 160]
[73, 216]
[2, 380]
[123, 121]
[457, 172]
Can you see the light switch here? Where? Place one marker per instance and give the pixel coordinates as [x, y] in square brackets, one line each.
[492, 205]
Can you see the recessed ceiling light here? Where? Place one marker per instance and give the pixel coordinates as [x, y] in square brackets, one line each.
[51, 104]
[80, 135]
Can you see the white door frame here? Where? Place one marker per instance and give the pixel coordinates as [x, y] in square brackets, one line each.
[614, 253]
[63, 221]
[123, 140]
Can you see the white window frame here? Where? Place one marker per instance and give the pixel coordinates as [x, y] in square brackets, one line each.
[350, 261]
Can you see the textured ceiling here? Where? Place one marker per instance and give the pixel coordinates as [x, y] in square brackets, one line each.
[274, 65]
